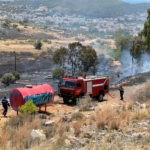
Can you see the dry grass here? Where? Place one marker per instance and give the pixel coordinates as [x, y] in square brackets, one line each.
[4, 139]
[21, 46]
[85, 104]
[142, 94]
[102, 117]
[62, 128]
[60, 136]
[50, 131]
[17, 132]
[77, 127]
[77, 116]
[112, 119]
[117, 118]
[141, 114]
[108, 142]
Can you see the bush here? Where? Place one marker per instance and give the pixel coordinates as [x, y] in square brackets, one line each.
[16, 75]
[58, 73]
[38, 44]
[8, 78]
[28, 107]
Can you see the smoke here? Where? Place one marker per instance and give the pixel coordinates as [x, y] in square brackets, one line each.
[128, 66]
[131, 66]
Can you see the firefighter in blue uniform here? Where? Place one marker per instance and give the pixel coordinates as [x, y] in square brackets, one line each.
[5, 105]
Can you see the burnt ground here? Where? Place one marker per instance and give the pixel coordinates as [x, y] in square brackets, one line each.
[25, 62]
[39, 70]
[33, 70]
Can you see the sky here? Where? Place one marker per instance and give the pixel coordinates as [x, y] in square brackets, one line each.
[129, 1]
[137, 1]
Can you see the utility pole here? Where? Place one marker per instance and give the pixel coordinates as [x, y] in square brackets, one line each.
[15, 59]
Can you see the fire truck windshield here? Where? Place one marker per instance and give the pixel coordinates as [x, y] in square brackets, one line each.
[66, 83]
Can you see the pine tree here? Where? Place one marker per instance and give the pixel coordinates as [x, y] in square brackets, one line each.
[146, 30]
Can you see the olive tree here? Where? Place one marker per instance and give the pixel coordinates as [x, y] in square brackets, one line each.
[74, 53]
[88, 58]
[59, 56]
[76, 57]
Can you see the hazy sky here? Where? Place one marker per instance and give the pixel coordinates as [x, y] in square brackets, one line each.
[137, 1]
[129, 1]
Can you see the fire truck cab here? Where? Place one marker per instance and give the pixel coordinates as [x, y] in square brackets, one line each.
[72, 88]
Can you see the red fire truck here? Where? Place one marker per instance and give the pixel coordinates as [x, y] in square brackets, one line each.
[72, 88]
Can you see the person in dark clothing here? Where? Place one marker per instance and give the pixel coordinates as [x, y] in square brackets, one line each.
[121, 92]
[5, 105]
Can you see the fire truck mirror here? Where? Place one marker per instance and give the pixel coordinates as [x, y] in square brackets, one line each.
[78, 84]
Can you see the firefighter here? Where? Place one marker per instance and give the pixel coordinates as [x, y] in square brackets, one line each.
[5, 105]
[121, 92]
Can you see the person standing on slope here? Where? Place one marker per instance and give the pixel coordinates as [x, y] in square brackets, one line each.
[121, 89]
[5, 105]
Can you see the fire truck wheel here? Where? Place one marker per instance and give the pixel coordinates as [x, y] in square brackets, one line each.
[74, 101]
[66, 100]
[100, 97]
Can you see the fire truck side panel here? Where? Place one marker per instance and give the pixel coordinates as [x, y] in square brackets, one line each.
[98, 86]
[89, 89]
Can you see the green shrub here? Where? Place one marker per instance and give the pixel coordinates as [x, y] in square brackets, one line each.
[38, 44]
[28, 107]
[8, 78]
[16, 75]
[58, 73]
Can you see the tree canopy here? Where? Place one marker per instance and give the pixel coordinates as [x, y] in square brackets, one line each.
[77, 57]
[122, 39]
[141, 42]
[59, 56]
[146, 30]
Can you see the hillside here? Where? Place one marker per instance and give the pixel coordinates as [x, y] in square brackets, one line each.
[111, 124]
[95, 8]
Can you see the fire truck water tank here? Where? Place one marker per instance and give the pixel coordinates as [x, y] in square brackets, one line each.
[39, 94]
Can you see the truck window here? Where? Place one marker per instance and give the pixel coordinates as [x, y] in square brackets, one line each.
[70, 84]
[66, 83]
